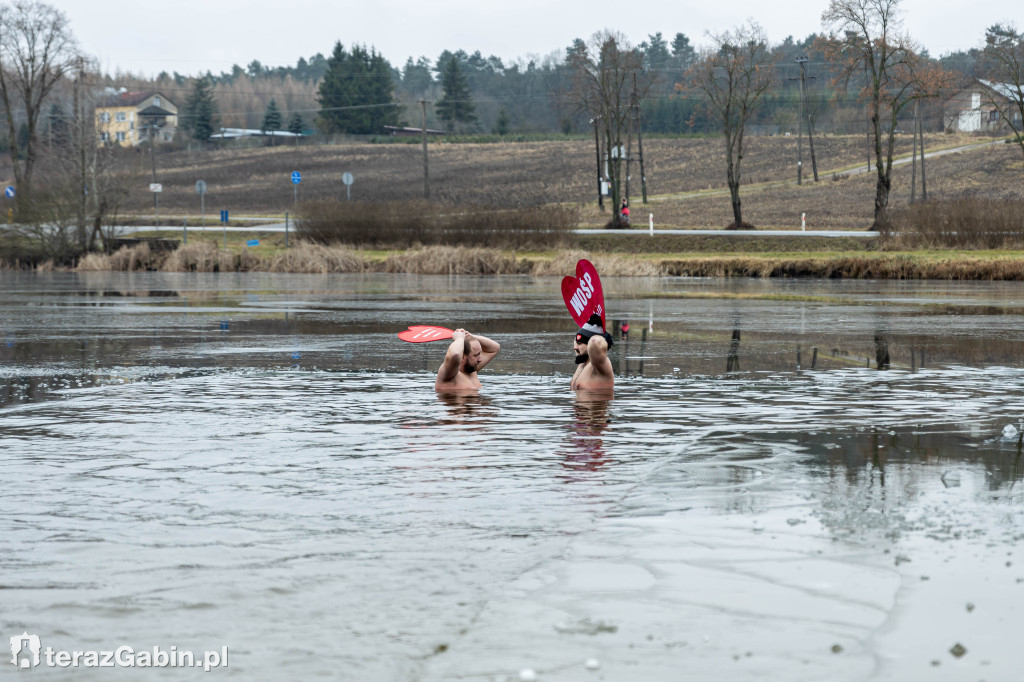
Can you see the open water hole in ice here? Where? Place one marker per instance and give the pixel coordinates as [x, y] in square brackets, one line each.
[254, 461]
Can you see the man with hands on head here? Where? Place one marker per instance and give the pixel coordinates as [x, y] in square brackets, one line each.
[467, 354]
[594, 369]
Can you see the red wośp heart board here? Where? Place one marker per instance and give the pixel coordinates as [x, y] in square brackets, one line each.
[583, 294]
[421, 333]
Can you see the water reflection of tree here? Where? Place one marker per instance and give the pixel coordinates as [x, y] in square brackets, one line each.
[732, 364]
[585, 445]
[875, 478]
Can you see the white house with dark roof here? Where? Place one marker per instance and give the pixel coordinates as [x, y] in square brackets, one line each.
[980, 108]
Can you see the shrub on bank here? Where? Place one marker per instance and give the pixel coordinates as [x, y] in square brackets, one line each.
[318, 259]
[447, 260]
[964, 223]
[401, 224]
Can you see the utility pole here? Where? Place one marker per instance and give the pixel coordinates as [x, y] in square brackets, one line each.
[426, 168]
[629, 156]
[920, 132]
[152, 158]
[810, 126]
[597, 145]
[810, 122]
[639, 143]
[799, 127]
[80, 117]
[913, 163]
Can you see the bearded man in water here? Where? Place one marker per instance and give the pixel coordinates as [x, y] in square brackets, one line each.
[594, 369]
[467, 354]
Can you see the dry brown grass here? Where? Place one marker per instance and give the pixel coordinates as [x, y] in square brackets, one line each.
[609, 265]
[138, 257]
[448, 260]
[314, 258]
[317, 258]
[199, 257]
[850, 267]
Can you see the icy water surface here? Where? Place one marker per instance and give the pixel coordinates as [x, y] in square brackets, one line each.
[256, 462]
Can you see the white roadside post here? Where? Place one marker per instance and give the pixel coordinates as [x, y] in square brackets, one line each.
[803, 222]
[650, 224]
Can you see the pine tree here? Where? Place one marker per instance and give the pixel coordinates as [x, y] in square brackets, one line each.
[57, 131]
[271, 118]
[501, 126]
[357, 94]
[200, 119]
[456, 105]
[331, 92]
[296, 125]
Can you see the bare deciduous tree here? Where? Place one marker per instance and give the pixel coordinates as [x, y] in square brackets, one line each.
[866, 39]
[603, 73]
[1004, 65]
[37, 50]
[732, 75]
[80, 183]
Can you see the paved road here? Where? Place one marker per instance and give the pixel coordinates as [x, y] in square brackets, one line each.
[636, 232]
[927, 155]
[741, 233]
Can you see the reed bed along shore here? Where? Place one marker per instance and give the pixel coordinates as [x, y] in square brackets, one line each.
[321, 259]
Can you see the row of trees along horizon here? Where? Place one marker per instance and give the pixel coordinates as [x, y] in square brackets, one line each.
[862, 72]
[524, 96]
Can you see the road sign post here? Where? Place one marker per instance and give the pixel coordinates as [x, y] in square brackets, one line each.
[9, 193]
[347, 179]
[224, 223]
[201, 191]
[296, 179]
[156, 188]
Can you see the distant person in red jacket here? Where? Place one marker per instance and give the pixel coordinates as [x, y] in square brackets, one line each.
[625, 212]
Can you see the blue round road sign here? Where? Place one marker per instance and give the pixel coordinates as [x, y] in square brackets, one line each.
[9, 192]
[296, 177]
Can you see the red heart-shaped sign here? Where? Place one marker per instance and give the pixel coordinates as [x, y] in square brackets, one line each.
[422, 333]
[582, 294]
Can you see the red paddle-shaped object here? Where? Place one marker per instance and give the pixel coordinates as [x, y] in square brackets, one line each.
[582, 294]
[422, 333]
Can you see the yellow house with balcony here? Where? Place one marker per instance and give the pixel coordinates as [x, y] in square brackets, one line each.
[128, 118]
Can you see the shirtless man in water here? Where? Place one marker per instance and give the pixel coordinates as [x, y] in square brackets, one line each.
[591, 347]
[467, 355]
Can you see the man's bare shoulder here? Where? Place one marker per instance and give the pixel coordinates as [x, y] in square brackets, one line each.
[589, 378]
[461, 382]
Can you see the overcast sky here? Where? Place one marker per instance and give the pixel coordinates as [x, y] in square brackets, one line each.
[193, 36]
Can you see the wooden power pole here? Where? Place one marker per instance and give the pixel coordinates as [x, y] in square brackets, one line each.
[426, 165]
[810, 127]
[639, 142]
[597, 144]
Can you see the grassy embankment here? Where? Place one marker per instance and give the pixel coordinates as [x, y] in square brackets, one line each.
[314, 258]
